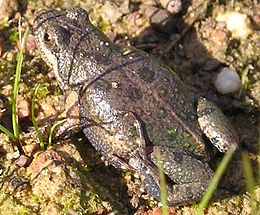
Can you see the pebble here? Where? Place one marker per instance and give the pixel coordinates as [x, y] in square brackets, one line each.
[23, 161]
[30, 45]
[227, 81]
[237, 23]
[24, 108]
[172, 6]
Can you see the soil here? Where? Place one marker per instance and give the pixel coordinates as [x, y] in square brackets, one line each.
[68, 176]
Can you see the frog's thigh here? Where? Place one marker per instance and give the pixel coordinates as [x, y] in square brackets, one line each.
[117, 140]
[191, 177]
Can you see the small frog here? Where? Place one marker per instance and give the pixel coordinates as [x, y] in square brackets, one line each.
[131, 106]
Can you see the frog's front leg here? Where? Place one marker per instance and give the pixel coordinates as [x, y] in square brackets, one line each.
[189, 177]
[70, 115]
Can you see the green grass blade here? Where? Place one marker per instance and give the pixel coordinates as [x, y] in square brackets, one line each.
[163, 185]
[38, 134]
[8, 133]
[52, 130]
[16, 83]
[214, 183]
[250, 182]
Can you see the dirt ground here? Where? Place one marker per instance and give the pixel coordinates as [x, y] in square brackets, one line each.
[196, 41]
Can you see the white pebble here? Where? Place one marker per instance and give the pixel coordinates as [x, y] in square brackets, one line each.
[227, 81]
[237, 23]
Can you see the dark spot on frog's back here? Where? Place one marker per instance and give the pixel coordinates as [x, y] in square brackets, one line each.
[146, 74]
[177, 157]
[103, 85]
[101, 59]
[134, 93]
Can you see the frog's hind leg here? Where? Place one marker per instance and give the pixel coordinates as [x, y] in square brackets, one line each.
[216, 126]
[117, 139]
[189, 175]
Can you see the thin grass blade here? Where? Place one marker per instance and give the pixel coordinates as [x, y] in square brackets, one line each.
[163, 185]
[16, 84]
[214, 183]
[8, 133]
[38, 133]
[52, 130]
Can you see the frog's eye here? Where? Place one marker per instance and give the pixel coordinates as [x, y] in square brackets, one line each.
[48, 38]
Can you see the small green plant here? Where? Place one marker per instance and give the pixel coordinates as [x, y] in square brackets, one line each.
[16, 84]
[214, 183]
[15, 135]
[14, 36]
[52, 130]
[4, 23]
[43, 92]
[38, 199]
[244, 77]
[38, 134]
[7, 132]
[250, 182]
[163, 185]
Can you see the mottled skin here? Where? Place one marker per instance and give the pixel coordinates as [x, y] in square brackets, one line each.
[132, 106]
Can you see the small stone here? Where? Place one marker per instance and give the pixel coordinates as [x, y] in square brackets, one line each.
[30, 45]
[24, 108]
[12, 155]
[30, 149]
[10, 56]
[237, 23]
[111, 12]
[227, 81]
[23, 161]
[172, 6]
[256, 21]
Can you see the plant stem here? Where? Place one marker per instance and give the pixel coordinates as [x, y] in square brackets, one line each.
[52, 130]
[16, 83]
[8, 133]
[163, 185]
[214, 183]
[38, 134]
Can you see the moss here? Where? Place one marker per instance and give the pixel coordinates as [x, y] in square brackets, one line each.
[14, 36]
[43, 92]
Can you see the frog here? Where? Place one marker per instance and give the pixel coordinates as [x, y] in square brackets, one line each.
[133, 107]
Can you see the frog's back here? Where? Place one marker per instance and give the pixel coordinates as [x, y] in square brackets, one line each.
[140, 84]
[117, 79]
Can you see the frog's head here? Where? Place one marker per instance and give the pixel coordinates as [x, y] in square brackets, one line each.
[58, 35]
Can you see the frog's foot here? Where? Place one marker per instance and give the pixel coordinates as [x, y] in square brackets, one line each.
[116, 161]
[189, 177]
[216, 126]
[72, 123]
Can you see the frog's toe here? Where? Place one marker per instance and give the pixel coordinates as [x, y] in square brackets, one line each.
[186, 193]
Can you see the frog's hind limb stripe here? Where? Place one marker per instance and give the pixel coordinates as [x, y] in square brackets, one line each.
[142, 134]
